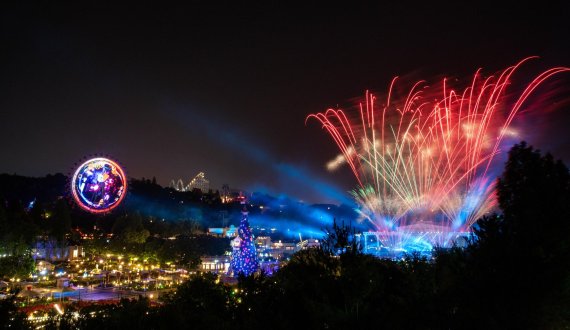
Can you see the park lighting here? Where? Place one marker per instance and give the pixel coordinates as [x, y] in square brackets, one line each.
[58, 309]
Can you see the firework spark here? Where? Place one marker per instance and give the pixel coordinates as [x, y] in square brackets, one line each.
[422, 162]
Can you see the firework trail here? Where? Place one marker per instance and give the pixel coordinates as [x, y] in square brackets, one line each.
[422, 163]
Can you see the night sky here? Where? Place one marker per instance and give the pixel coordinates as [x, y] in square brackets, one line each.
[224, 89]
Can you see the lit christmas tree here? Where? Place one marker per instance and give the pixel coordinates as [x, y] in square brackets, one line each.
[244, 257]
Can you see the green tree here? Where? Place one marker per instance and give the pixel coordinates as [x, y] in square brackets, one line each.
[202, 302]
[129, 229]
[36, 215]
[20, 266]
[11, 317]
[20, 231]
[534, 194]
[340, 239]
[4, 227]
[519, 267]
[60, 221]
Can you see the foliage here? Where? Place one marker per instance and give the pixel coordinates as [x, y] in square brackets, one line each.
[202, 302]
[340, 239]
[130, 230]
[523, 256]
[10, 316]
[515, 275]
[19, 266]
[60, 221]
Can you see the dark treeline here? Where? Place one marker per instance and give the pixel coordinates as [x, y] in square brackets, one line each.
[150, 200]
[144, 197]
[515, 275]
[40, 212]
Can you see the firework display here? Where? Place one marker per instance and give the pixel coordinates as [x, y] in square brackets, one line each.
[99, 185]
[423, 162]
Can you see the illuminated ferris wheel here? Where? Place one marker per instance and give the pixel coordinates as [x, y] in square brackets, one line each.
[99, 185]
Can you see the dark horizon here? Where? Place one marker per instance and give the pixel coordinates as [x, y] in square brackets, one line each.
[173, 91]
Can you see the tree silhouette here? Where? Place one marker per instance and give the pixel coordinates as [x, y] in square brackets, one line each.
[60, 222]
[130, 229]
[3, 222]
[200, 303]
[534, 194]
[340, 239]
[520, 265]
